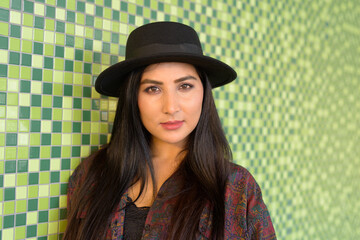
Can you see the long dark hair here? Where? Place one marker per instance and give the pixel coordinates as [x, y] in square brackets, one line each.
[127, 157]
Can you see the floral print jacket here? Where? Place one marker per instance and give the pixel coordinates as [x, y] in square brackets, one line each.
[246, 215]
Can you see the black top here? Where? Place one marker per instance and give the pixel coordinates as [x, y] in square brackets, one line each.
[135, 218]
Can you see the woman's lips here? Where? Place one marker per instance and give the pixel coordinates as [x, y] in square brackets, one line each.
[172, 125]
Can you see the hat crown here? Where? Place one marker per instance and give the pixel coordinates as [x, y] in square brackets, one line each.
[162, 37]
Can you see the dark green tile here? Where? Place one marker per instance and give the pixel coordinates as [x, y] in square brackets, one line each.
[77, 103]
[79, 54]
[63, 187]
[76, 127]
[50, 12]
[16, 4]
[139, 11]
[22, 166]
[48, 62]
[33, 178]
[86, 115]
[14, 58]
[35, 126]
[115, 15]
[56, 126]
[11, 139]
[122, 50]
[9, 194]
[86, 92]
[1, 181]
[80, 6]
[4, 15]
[88, 44]
[33, 204]
[69, 65]
[153, 14]
[25, 59]
[45, 139]
[46, 113]
[98, 34]
[55, 152]
[131, 19]
[47, 88]
[97, 57]
[115, 38]
[75, 151]
[20, 219]
[3, 70]
[10, 166]
[54, 202]
[89, 21]
[160, 6]
[103, 139]
[65, 164]
[57, 102]
[2, 98]
[98, 11]
[38, 48]
[87, 68]
[39, 22]
[69, 41]
[36, 100]
[28, 6]
[36, 74]
[15, 31]
[44, 165]
[43, 216]
[106, 47]
[31, 231]
[113, 59]
[70, 16]
[63, 213]
[60, 27]
[147, 3]
[124, 7]
[107, 3]
[54, 177]
[68, 90]
[24, 86]
[4, 42]
[8, 221]
[85, 139]
[35, 152]
[24, 112]
[61, 3]
[59, 51]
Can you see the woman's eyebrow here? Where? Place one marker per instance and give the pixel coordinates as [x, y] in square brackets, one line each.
[150, 81]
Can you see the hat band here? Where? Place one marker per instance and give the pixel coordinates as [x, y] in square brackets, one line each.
[164, 49]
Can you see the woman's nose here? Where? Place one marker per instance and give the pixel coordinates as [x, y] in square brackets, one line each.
[170, 103]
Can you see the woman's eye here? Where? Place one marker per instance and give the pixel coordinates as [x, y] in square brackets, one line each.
[152, 89]
[186, 86]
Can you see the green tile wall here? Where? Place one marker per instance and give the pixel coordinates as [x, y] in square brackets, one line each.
[292, 116]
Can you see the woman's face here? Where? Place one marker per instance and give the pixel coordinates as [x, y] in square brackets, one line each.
[170, 101]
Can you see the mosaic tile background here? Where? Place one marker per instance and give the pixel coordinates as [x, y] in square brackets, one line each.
[292, 116]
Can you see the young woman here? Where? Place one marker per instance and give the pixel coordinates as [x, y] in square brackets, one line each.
[166, 172]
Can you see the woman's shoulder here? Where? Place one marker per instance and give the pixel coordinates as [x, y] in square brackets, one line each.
[242, 182]
[238, 172]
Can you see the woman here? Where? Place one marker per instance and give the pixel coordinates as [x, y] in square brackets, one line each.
[166, 172]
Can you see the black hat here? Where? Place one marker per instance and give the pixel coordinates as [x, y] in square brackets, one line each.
[162, 42]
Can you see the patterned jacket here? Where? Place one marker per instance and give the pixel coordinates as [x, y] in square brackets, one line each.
[246, 216]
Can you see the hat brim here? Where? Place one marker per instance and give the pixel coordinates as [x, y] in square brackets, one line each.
[109, 81]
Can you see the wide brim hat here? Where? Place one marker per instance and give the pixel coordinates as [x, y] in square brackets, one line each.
[162, 42]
